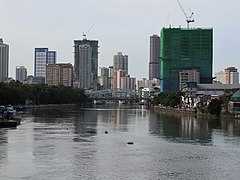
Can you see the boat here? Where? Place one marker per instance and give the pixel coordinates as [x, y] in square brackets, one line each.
[9, 123]
[8, 118]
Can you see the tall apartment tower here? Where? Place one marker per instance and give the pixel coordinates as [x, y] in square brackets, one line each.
[86, 63]
[42, 57]
[232, 75]
[21, 73]
[59, 74]
[120, 62]
[4, 60]
[185, 49]
[154, 64]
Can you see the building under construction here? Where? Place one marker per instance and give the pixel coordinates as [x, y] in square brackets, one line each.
[185, 49]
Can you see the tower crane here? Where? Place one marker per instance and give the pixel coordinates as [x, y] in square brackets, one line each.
[85, 34]
[188, 18]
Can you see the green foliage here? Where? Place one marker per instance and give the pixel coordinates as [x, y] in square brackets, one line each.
[214, 107]
[16, 93]
[167, 99]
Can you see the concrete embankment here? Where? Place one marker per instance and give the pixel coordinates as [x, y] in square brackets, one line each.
[174, 110]
[192, 112]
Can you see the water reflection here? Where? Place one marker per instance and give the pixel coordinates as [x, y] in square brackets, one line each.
[70, 143]
[190, 129]
[3, 146]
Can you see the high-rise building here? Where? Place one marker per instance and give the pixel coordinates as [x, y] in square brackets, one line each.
[43, 57]
[120, 62]
[232, 75]
[154, 64]
[4, 60]
[52, 57]
[86, 63]
[111, 73]
[57, 74]
[185, 49]
[21, 73]
[103, 77]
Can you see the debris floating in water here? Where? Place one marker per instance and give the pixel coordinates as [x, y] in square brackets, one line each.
[130, 142]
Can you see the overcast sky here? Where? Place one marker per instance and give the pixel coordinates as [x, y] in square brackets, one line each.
[119, 26]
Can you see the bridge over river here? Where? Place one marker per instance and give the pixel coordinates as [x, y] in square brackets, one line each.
[114, 95]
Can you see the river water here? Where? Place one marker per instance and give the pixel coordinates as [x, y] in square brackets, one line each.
[71, 143]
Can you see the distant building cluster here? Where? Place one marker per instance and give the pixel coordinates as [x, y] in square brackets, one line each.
[179, 58]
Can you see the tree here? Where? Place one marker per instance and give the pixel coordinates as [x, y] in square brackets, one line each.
[214, 107]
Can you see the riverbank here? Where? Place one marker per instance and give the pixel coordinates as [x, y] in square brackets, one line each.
[193, 112]
[49, 105]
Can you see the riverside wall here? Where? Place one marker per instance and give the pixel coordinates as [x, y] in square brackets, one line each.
[158, 109]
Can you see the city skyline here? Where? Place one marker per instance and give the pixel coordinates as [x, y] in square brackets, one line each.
[23, 33]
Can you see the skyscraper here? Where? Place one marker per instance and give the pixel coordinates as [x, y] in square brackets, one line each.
[120, 62]
[86, 63]
[42, 57]
[185, 49]
[21, 73]
[4, 60]
[154, 64]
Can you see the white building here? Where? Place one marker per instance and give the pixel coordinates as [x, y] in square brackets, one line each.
[4, 60]
[220, 77]
[21, 73]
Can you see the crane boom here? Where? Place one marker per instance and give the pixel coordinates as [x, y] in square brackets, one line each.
[85, 34]
[188, 18]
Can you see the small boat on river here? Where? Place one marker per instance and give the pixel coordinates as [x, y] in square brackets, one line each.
[9, 123]
[8, 120]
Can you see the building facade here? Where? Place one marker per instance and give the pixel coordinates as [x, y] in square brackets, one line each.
[103, 77]
[120, 62]
[232, 75]
[86, 63]
[57, 74]
[111, 73]
[220, 77]
[4, 60]
[42, 57]
[189, 75]
[21, 73]
[185, 49]
[117, 78]
[154, 64]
